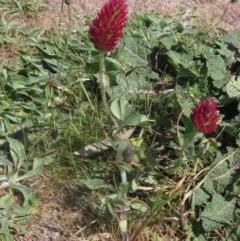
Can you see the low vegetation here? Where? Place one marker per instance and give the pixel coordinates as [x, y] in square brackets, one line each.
[154, 166]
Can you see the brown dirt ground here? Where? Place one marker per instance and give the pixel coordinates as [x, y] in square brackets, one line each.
[221, 12]
[57, 216]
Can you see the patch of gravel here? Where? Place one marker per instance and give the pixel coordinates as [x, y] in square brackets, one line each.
[223, 13]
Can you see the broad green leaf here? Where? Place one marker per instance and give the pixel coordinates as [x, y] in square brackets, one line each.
[133, 51]
[208, 186]
[27, 193]
[217, 213]
[224, 51]
[4, 225]
[21, 211]
[123, 166]
[137, 141]
[139, 207]
[233, 87]
[217, 71]
[111, 64]
[17, 151]
[184, 100]
[200, 197]
[186, 105]
[183, 64]
[121, 109]
[7, 237]
[206, 51]
[233, 38]
[151, 202]
[168, 42]
[5, 162]
[44, 159]
[6, 201]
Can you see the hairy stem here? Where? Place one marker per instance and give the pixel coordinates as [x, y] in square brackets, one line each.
[102, 83]
[123, 218]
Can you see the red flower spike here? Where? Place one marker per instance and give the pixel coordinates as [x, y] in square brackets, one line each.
[106, 28]
[204, 116]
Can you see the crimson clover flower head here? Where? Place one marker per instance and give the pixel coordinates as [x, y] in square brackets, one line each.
[204, 116]
[106, 28]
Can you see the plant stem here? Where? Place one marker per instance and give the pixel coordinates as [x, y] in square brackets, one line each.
[123, 218]
[102, 83]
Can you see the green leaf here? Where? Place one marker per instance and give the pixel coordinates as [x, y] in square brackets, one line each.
[17, 151]
[27, 193]
[134, 185]
[151, 202]
[109, 211]
[133, 51]
[111, 64]
[5, 201]
[5, 162]
[232, 38]
[233, 87]
[217, 213]
[206, 51]
[183, 64]
[44, 159]
[121, 109]
[21, 212]
[123, 166]
[124, 188]
[4, 225]
[168, 42]
[217, 71]
[137, 141]
[186, 105]
[200, 197]
[139, 206]
[7, 237]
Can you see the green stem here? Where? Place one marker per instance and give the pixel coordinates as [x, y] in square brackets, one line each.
[102, 83]
[123, 209]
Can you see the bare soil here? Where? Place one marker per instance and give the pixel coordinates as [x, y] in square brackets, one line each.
[223, 13]
[57, 214]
